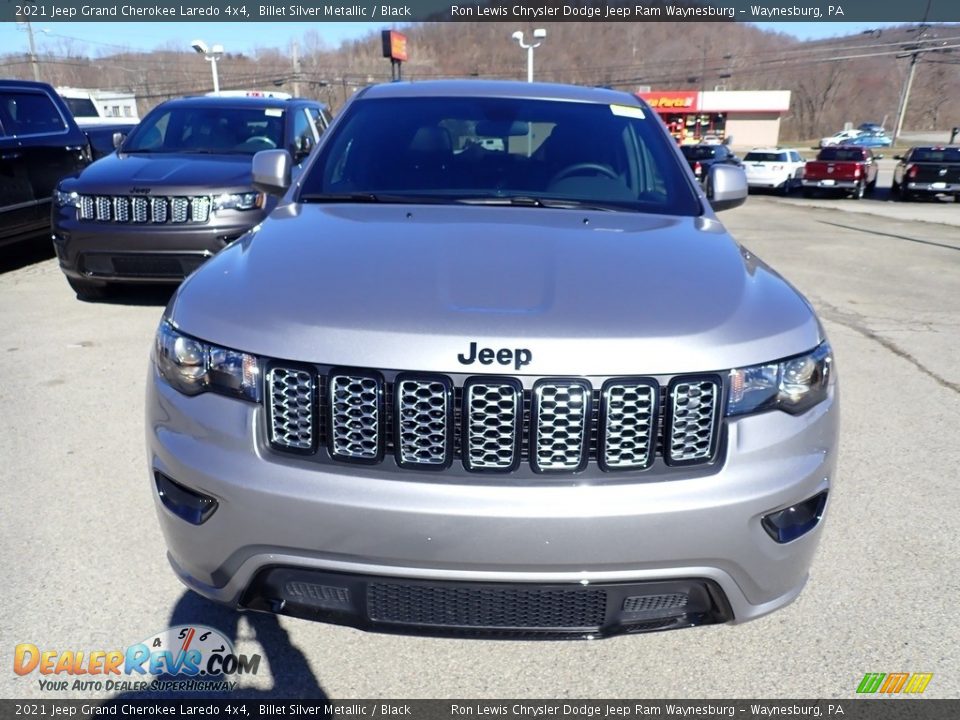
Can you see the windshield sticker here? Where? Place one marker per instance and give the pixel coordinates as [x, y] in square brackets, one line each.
[627, 111]
[273, 112]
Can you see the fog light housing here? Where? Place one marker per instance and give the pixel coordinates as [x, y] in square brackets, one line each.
[196, 508]
[792, 522]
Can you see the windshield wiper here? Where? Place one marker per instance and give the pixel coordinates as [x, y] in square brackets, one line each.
[367, 197]
[529, 201]
[357, 197]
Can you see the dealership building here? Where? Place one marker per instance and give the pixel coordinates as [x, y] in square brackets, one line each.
[749, 118]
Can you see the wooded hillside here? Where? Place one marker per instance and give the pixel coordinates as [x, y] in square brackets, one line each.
[857, 78]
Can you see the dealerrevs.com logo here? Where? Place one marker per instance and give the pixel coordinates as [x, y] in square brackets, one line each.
[184, 658]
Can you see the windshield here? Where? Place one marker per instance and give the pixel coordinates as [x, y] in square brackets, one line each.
[503, 151]
[842, 154]
[81, 107]
[949, 155]
[699, 152]
[208, 129]
[765, 157]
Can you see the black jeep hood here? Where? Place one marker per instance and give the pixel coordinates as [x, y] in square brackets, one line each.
[172, 172]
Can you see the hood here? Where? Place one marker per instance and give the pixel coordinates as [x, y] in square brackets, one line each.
[167, 173]
[428, 287]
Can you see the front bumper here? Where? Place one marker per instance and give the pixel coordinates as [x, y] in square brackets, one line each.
[283, 515]
[127, 252]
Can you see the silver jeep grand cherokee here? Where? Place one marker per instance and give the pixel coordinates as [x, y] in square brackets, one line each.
[493, 367]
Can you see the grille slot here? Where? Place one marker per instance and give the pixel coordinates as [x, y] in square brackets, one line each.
[423, 417]
[292, 396]
[479, 607]
[561, 410]
[179, 209]
[121, 209]
[693, 417]
[655, 603]
[356, 413]
[628, 408]
[493, 415]
[140, 209]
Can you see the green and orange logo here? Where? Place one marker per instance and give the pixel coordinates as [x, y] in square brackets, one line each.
[894, 683]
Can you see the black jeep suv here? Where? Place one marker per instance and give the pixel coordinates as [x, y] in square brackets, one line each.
[39, 144]
[177, 190]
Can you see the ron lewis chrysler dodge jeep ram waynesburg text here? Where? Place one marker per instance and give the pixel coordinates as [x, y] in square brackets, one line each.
[528, 387]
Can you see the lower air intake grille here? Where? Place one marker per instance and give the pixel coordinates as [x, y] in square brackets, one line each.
[655, 603]
[487, 607]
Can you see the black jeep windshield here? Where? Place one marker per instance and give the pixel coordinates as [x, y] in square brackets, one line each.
[208, 129]
[510, 151]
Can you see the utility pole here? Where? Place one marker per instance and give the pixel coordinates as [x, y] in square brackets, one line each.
[921, 31]
[905, 95]
[33, 52]
[295, 52]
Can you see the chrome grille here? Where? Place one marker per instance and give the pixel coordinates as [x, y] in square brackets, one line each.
[355, 417]
[492, 424]
[103, 208]
[179, 209]
[86, 207]
[121, 209]
[423, 435]
[200, 209]
[140, 209]
[292, 396]
[628, 437]
[693, 410]
[493, 411]
[158, 209]
[561, 411]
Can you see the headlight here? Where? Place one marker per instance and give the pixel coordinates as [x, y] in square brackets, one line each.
[66, 199]
[193, 367]
[238, 201]
[794, 385]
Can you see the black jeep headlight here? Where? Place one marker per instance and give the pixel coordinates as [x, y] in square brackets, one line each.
[793, 385]
[66, 199]
[238, 201]
[192, 366]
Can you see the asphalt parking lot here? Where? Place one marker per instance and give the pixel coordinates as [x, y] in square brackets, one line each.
[85, 560]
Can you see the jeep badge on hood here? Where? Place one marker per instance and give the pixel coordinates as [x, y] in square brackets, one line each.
[519, 357]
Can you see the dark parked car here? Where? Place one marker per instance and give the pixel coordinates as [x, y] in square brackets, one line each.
[927, 171]
[702, 157]
[39, 144]
[177, 190]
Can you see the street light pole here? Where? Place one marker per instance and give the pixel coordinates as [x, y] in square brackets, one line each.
[539, 33]
[211, 55]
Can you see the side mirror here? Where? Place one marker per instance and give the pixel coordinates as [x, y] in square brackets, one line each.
[898, 157]
[302, 149]
[271, 171]
[726, 187]
[118, 138]
[878, 156]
